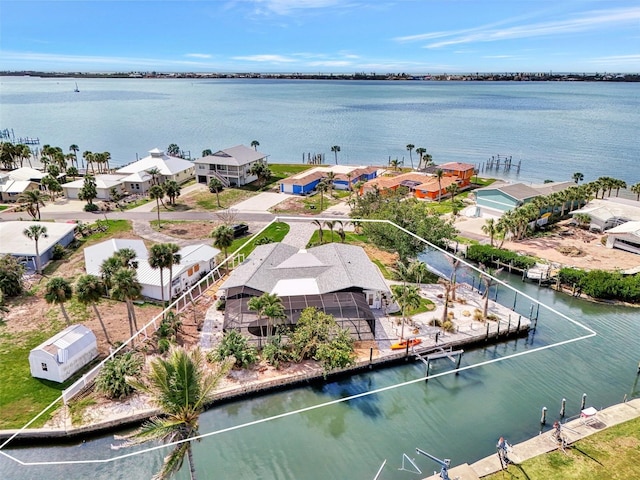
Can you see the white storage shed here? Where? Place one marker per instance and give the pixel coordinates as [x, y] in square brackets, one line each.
[64, 354]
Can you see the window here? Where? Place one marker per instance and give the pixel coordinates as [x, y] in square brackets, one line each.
[44, 367]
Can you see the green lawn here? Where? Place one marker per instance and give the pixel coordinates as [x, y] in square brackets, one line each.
[612, 453]
[228, 197]
[426, 305]
[350, 237]
[3, 207]
[276, 232]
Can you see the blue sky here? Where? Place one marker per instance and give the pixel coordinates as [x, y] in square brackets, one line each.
[382, 36]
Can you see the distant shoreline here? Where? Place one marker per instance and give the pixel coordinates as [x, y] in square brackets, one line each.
[465, 77]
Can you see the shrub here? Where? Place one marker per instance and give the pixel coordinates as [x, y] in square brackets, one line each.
[448, 326]
[112, 379]
[489, 255]
[91, 207]
[234, 345]
[58, 252]
[11, 276]
[276, 351]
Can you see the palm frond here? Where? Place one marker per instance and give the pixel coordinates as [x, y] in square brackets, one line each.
[172, 462]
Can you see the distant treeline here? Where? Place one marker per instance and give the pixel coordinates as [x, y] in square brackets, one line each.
[479, 77]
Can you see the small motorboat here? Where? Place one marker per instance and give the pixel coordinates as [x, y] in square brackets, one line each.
[403, 344]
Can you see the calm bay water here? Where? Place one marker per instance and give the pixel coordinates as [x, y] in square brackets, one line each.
[458, 417]
[554, 129]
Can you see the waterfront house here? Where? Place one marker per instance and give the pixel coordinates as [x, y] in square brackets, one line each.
[169, 167]
[14, 242]
[195, 262]
[231, 166]
[625, 237]
[463, 172]
[434, 189]
[345, 178]
[59, 357]
[501, 197]
[392, 182]
[106, 184]
[336, 278]
[607, 213]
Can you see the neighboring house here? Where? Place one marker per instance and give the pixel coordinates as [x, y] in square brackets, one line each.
[461, 171]
[27, 173]
[391, 182]
[502, 197]
[59, 357]
[231, 166]
[432, 189]
[15, 243]
[11, 189]
[607, 213]
[104, 185]
[336, 278]
[625, 237]
[196, 261]
[170, 168]
[346, 177]
[139, 182]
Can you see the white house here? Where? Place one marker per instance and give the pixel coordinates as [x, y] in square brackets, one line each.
[195, 262]
[104, 185]
[11, 189]
[625, 237]
[170, 168]
[64, 354]
[231, 166]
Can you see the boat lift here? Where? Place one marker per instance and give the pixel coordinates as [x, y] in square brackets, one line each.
[444, 464]
[440, 353]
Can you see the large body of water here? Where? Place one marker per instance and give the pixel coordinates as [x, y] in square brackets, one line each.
[457, 417]
[553, 128]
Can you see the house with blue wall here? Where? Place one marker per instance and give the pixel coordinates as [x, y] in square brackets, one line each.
[345, 178]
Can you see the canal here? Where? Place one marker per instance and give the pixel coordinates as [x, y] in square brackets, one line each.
[452, 416]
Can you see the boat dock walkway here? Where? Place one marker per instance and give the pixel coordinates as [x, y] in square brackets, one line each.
[572, 431]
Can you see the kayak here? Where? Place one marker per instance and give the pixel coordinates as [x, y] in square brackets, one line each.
[402, 345]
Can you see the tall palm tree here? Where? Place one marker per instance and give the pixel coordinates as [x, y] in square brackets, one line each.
[159, 259]
[180, 386]
[321, 188]
[329, 179]
[320, 231]
[636, 189]
[255, 144]
[453, 190]
[155, 175]
[487, 279]
[89, 290]
[489, 228]
[172, 190]
[269, 305]
[126, 257]
[58, 291]
[108, 269]
[420, 151]
[126, 288]
[410, 147]
[35, 233]
[439, 175]
[578, 177]
[330, 224]
[335, 149]
[215, 186]
[349, 176]
[33, 200]
[395, 164]
[223, 239]
[407, 297]
[74, 149]
[174, 258]
[157, 193]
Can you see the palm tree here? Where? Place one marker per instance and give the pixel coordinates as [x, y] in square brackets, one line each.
[174, 258]
[223, 239]
[72, 172]
[330, 224]
[255, 144]
[636, 189]
[410, 147]
[489, 228]
[215, 186]
[180, 386]
[155, 175]
[108, 269]
[618, 184]
[269, 305]
[58, 291]
[159, 258]
[321, 187]
[335, 149]
[89, 290]
[349, 176]
[35, 232]
[207, 152]
[74, 149]
[439, 175]
[453, 191]
[420, 151]
[417, 271]
[578, 177]
[127, 288]
[320, 231]
[487, 279]
[126, 257]
[157, 193]
[395, 164]
[172, 190]
[173, 150]
[33, 200]
[407, 297]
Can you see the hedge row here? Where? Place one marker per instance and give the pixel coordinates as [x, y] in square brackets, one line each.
[489, 255]
[602, 284]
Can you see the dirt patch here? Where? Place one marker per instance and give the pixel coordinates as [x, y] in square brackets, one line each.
[388, 259]
[188, 230]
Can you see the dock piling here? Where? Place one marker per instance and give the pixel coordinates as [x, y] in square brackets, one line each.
[584, 401]
[543, 418]
[563, 407]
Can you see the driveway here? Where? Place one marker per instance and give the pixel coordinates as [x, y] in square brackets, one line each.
[261, 202]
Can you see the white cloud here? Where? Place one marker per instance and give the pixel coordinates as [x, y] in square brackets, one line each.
[198, 55]
[265, 58]
[287, 7]
[622, 60]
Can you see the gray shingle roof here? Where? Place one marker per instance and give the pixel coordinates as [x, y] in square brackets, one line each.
[237, 156]
[334, 267]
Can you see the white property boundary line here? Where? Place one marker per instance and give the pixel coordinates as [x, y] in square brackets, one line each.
[591, 333]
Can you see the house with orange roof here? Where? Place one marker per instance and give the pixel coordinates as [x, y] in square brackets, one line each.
[432, 188]
[462, 171]
[345, 177]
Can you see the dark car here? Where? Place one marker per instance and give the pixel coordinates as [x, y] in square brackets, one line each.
[240, 229]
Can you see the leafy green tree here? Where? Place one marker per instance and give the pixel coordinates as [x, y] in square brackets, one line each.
[157, 193]
[207, 152]
[223, 239]
[173, 150]
[89, 290]
[215, 186]
[236, 346]
[112, 379]
[262, 171]
[11, 272]
[89, 190]
[58, 291]
[33, 200]
[126, 288]
[171, 190]
[276, 351]
[181, 386]
[35, 233]
[407, 297]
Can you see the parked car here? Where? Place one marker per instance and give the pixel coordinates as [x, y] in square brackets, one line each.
[240, 229]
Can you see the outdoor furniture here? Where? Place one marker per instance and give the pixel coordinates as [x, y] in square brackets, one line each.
[588, 416]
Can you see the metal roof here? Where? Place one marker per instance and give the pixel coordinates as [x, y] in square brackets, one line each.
[96, 254]
[166, 164]
[239, 155]
[14, 242]
[74, 339]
